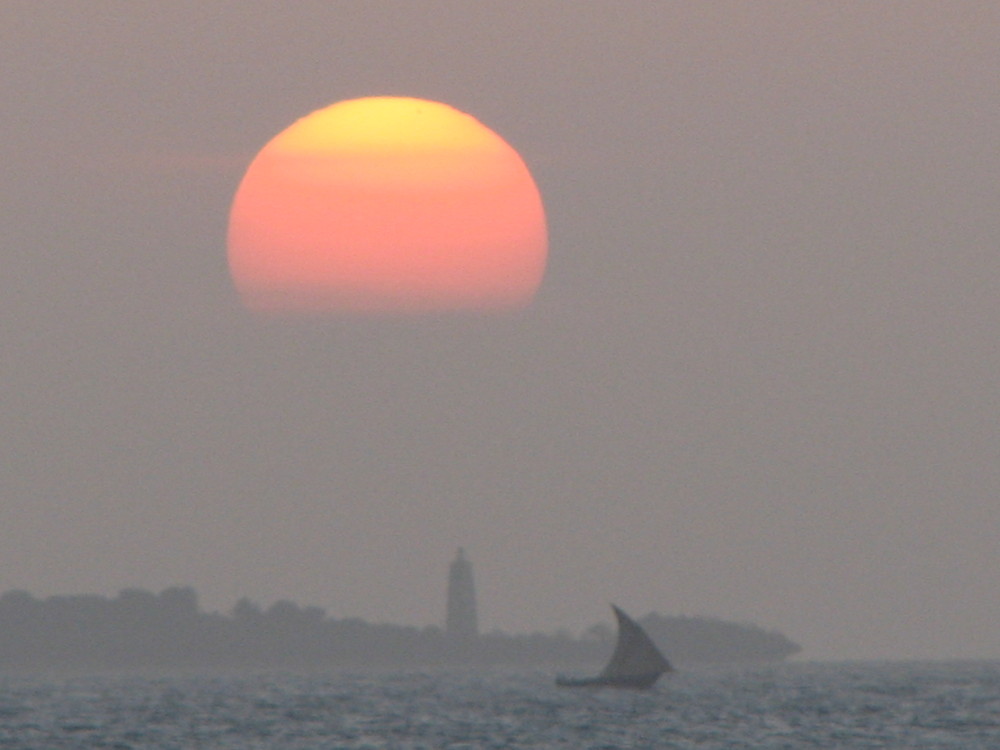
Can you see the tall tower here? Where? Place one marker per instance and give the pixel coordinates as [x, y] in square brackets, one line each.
[461, 618]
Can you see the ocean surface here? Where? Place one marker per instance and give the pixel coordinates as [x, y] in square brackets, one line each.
[850, 705]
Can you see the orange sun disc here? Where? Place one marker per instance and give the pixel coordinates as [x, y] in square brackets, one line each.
[387, 204]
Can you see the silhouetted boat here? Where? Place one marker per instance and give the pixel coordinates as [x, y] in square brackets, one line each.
[636, 663]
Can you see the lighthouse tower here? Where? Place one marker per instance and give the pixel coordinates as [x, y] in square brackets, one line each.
[461, 618]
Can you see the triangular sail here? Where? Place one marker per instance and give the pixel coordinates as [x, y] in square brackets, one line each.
[635, 654]
[636, 663]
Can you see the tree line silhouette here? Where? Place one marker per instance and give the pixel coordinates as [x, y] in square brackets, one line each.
[138, 629]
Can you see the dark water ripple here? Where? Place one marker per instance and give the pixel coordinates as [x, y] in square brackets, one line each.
[916, 706]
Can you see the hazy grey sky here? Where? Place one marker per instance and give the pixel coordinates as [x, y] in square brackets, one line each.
[761, 380]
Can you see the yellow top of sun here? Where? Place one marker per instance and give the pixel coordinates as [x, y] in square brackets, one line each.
[386, 123]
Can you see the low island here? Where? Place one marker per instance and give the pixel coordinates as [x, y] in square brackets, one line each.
[140, 630]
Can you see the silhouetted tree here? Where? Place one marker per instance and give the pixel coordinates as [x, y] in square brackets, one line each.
[139, 629]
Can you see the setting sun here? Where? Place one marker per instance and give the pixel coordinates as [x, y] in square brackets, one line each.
[387, 204]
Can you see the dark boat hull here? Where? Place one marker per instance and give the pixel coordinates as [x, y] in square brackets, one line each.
[632, 682]
[636, 663]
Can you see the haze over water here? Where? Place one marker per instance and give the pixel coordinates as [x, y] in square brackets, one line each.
[759, 381]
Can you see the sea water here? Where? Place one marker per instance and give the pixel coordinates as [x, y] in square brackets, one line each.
[796, 705]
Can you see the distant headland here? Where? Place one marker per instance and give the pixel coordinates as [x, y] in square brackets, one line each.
[140, 630]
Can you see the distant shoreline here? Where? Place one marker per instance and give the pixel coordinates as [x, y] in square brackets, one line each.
[139, 630]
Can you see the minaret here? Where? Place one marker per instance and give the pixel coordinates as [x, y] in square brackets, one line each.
[461, 618]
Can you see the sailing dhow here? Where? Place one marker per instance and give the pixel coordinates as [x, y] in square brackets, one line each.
[636, 663]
